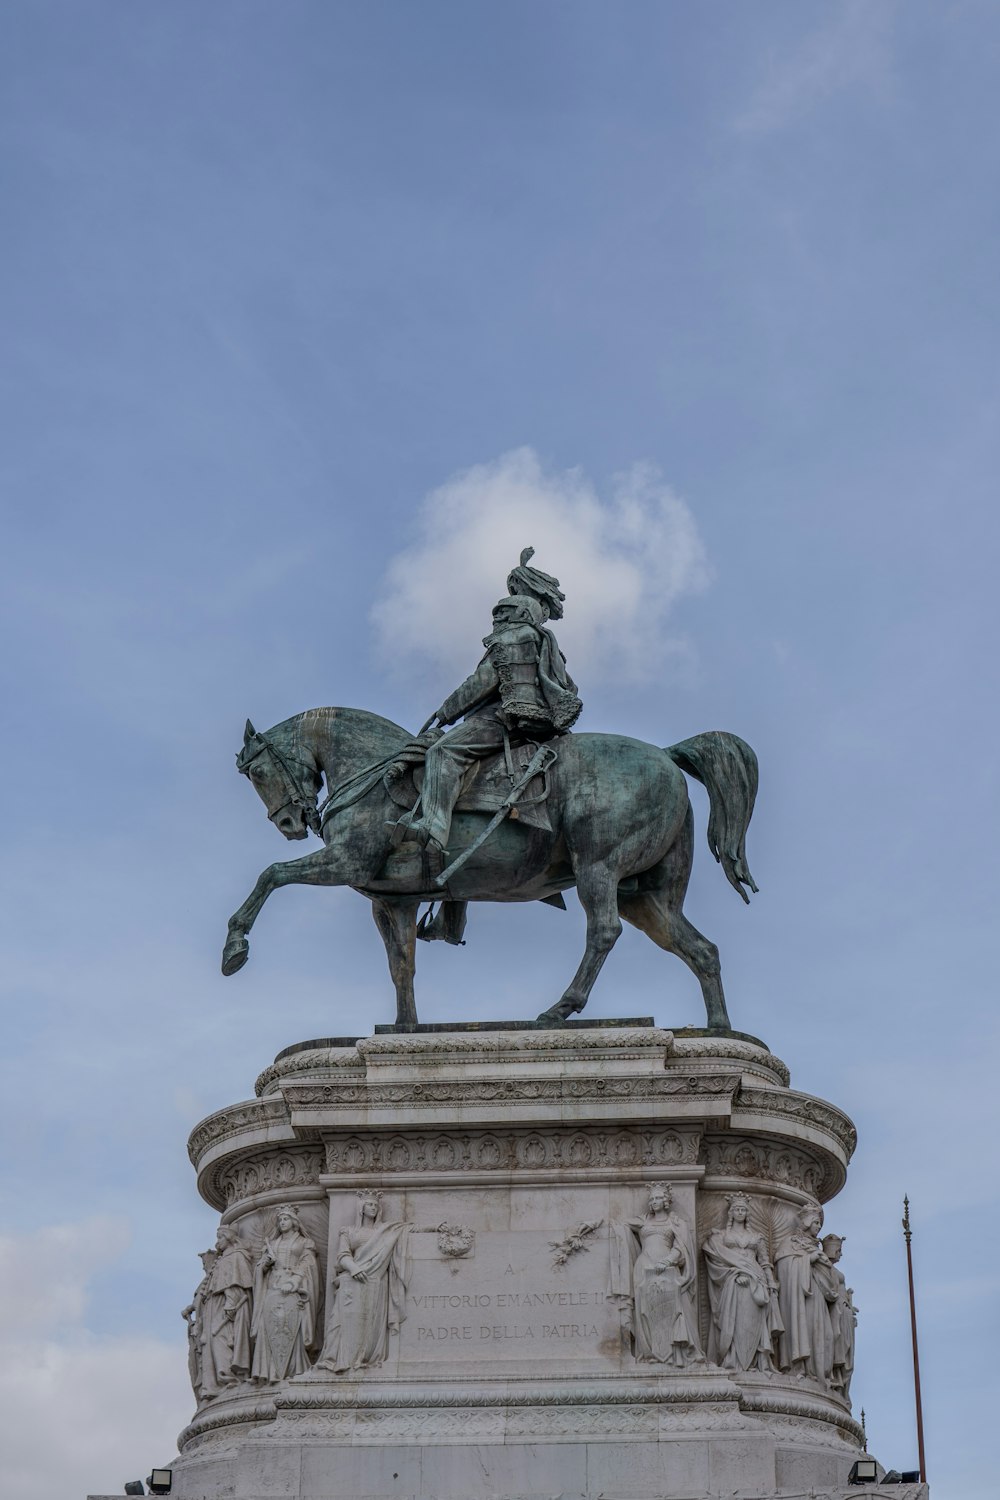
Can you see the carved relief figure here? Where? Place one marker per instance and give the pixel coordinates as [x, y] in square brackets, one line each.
[806, 1290]
[742, 1291]
[285, 1300]
[371, 1273]
[653, 1281]
[844, 1316]
[192, 1315]
[225, 1316]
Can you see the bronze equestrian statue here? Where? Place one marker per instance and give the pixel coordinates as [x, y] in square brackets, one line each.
[513, 807]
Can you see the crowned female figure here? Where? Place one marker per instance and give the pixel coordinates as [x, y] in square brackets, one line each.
[653, 1281]
[372, 1269]
[286, 1300]
[742, 1291]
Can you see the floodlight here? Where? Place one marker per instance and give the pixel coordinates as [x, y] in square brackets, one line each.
[160, 1481]
[134, 1487]
[865, 1471]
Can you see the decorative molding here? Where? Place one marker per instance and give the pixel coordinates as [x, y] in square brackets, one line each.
[314, 1394]
[403, 1048]
[214, 1417]
[508, 1151]
[471, 1091]
[693, 1049]
[766, 1161]
[255, 1114]
[780, 1402]
[270, 1171]
[316, 1060]
[802, 1108]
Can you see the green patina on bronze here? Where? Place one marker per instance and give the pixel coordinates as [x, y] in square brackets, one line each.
[605, 813]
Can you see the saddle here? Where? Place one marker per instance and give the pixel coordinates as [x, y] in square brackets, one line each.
[485, 785]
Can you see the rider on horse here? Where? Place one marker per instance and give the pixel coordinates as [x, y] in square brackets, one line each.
[520, 691]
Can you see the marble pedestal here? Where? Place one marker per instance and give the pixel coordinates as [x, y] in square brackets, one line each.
[517, 1159]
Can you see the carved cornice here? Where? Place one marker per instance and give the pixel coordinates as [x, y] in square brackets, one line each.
[419, 1093]
[314, 1060]
[489, 1044]
[803, 1109]
[693, 1049]
[238, 1119]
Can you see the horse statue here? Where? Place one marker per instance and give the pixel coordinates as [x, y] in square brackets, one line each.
[619, 828]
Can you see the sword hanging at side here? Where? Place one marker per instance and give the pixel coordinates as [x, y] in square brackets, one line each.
[542, 759]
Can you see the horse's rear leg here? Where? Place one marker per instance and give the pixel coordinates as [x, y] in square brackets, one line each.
[597, 887]
[397, 924]
[656, 911]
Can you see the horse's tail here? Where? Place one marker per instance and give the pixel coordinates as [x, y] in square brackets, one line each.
[727, 767]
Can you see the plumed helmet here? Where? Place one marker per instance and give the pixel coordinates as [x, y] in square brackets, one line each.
[521, 607]
[536, 584]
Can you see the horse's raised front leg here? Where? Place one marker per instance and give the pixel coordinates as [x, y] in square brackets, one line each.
[318, 868]
[396, 921]
[597, 887]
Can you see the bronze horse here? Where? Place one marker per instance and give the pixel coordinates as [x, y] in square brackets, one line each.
[622, 833]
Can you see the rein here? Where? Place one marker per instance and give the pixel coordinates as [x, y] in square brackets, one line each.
[298, 795]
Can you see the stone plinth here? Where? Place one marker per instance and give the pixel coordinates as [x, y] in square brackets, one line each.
[529, 1319]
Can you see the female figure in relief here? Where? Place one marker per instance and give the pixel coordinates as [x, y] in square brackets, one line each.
[286, 1300]
[653, 1280]
[370, 1278]
[225, 1316]
[742, 1291]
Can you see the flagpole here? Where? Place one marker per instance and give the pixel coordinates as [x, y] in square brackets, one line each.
[913, 1330]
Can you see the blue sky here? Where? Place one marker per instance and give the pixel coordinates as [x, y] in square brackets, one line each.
[293, 295]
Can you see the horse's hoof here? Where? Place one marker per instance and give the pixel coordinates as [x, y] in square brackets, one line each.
[235, 955]
[557, 1014]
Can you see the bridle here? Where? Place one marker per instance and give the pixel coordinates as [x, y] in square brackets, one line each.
[298, 795]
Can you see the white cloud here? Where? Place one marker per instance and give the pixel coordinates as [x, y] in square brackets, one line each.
[850, 49]
[80, 1412]
[622, 562]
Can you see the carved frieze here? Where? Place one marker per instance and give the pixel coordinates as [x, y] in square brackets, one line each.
[270, 1172]
[768, 1161]
[507, 1151]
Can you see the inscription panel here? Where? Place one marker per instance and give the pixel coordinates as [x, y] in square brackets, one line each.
[511, 1304]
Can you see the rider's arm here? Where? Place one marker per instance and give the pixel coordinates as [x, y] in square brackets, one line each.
[474, 691]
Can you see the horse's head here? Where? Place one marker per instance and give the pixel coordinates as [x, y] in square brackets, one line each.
[286, 784]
